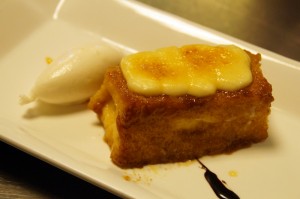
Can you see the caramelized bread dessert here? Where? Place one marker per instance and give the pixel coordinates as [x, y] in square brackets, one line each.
[177, 104]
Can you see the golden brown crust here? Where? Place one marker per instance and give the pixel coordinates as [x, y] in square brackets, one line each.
[163, 128]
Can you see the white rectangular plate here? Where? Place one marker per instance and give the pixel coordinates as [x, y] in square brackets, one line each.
[70, 137]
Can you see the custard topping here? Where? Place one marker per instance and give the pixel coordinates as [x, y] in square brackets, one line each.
[198, 70]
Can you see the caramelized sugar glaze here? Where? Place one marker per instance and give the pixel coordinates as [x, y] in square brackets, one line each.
[143, 129]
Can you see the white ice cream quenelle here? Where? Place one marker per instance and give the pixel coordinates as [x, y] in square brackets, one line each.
[75, 76]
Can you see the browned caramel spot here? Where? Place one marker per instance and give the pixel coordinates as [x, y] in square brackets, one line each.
[204, 58]
[157, 68]
[126, 177]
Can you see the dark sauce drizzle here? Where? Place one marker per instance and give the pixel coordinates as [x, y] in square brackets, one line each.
[217, 185]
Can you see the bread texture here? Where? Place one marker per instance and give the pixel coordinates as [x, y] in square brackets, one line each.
[142, 130]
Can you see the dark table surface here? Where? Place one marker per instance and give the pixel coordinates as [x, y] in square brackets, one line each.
[271, 24]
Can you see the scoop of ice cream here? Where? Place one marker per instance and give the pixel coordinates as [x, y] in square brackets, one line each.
[75, 76]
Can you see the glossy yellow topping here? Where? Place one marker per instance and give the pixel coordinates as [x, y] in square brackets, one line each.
[197, 70]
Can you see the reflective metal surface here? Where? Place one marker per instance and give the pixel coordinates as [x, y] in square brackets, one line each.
[271, 24]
